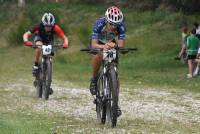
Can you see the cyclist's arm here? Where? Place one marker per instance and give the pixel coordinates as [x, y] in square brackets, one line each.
[97, 27]
[66, 41]
[96, 45]
[30, 32]
[121, 43]
[121, 36]
[26, 35]
[61, 34]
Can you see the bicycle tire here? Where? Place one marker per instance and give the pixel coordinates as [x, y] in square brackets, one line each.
[114, 94]
[43, 80]
[47, 79]
[100, 104]
[39, 84]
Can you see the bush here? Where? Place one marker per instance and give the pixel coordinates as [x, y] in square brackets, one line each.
[15, 37]
[186, 6]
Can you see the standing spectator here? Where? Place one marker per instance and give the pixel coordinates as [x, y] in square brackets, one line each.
[197, 60]
[192, 48]
[197, 27]
[185, 34]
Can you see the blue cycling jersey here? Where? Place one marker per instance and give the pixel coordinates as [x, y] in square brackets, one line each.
[103, 35]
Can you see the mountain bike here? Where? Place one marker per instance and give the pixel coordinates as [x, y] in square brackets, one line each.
[43, 76]
[107, 96]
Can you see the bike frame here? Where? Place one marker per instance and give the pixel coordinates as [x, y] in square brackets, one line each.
[108, 62]
[44, 76]
[108, 85]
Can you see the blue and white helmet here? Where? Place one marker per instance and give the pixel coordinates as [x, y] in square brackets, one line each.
[48, 19]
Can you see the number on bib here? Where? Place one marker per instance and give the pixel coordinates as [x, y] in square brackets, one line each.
[46, 49]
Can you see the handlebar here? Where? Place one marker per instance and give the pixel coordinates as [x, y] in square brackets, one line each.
[53, 46]
[96, 50]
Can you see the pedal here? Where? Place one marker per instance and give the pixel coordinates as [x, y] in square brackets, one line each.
[50, 91]
[95, 101]
[119, 112]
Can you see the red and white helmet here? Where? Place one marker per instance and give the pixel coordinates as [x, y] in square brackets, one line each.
[48, 19]
[114, 15]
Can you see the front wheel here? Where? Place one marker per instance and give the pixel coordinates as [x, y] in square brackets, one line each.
[100, 103]
[38, 84]
[114, 93]
[47, 79]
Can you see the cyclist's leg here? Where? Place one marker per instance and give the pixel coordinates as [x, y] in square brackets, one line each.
[38, 51]
[38, 42]
[96, 63]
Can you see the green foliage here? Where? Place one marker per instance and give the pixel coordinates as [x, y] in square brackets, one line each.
[186, 6]
[15, 37]
[84, 35]
[155, 33]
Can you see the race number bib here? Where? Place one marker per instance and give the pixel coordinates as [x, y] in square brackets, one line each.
[46, 49]
[109, 55]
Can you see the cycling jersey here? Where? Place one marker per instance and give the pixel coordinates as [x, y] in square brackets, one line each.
[47, 37]
[103, 35]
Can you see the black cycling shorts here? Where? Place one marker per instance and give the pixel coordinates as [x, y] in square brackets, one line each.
[191, 57]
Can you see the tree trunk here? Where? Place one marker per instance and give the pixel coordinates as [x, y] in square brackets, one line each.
[21, 3]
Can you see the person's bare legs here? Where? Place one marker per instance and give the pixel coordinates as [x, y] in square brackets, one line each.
[190, 68]
[38, 52]
[96, 63]
[36, 58]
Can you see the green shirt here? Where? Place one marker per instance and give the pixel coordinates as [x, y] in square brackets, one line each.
[192, 45]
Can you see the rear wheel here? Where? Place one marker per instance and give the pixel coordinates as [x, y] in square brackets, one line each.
[114, 92]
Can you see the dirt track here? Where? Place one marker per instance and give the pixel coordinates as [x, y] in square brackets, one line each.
[146, 105]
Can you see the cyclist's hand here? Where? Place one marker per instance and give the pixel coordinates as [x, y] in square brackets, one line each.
[111, 45]
[28, 43]
[65, 45]
[106, 46]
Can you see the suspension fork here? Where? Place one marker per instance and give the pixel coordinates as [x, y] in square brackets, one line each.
[105, 81]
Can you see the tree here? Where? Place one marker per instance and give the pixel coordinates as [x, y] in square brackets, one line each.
[21, 3]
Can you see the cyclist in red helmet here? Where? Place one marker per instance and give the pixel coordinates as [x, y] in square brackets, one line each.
[44, 34]
[108, 32]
